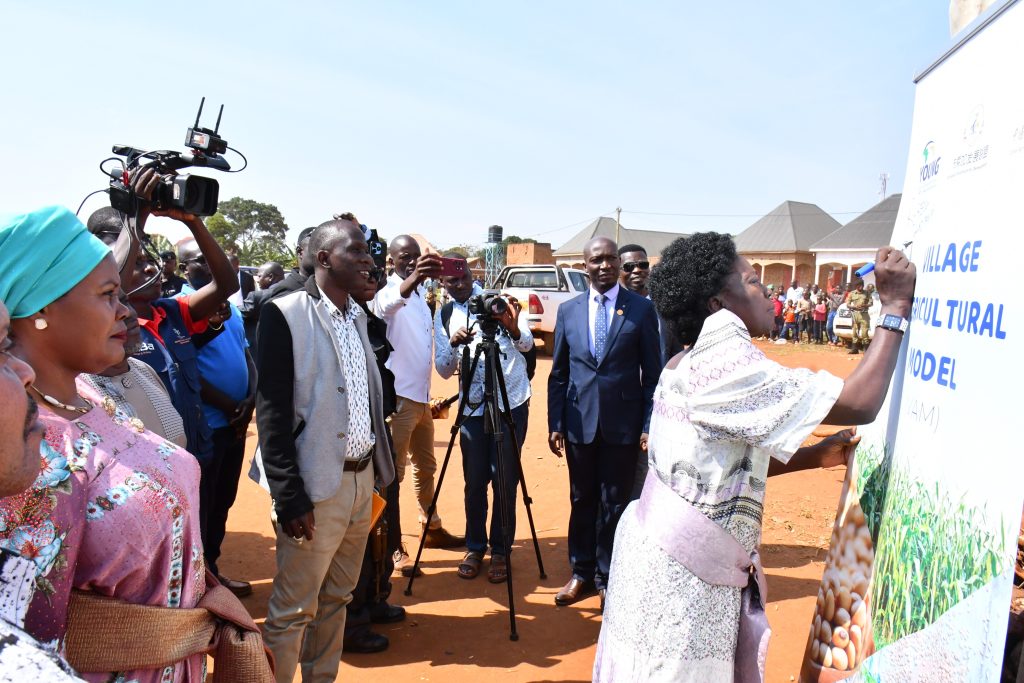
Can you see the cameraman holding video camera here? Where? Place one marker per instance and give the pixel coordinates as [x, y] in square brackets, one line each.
[453, 330]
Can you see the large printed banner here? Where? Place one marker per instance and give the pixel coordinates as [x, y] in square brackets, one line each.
[918, 579]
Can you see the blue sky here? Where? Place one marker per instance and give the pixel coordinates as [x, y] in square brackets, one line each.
[444, 118]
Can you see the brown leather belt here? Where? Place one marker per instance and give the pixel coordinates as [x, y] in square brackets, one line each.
[357, 465]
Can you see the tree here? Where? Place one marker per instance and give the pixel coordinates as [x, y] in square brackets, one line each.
[254, 230]
[160, 243]
[463, 249]
[516, 239]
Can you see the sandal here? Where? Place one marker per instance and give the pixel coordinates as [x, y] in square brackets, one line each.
[498, 571]
[470, 565]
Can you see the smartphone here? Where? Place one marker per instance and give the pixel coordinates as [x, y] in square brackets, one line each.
[452, 267]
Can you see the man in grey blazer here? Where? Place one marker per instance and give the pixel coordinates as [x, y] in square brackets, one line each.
[322, 439]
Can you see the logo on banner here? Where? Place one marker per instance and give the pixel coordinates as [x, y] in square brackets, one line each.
[975, 151]
[930, 169]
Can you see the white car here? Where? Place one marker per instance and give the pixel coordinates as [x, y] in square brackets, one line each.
[542, 289]
[843, 322]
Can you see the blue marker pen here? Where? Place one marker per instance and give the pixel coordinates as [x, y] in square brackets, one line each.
[864, 270]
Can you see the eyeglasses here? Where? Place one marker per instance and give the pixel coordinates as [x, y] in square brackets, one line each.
[630, 266]
[200, 260]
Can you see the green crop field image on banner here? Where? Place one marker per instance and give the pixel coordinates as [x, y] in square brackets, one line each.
[918, 578]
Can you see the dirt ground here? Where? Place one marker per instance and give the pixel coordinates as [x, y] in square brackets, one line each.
[457, 630]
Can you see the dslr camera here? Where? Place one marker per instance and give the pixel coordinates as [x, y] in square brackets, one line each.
[190, 193]
[488, 307]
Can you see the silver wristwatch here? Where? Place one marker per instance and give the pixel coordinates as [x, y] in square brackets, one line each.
[894, 322]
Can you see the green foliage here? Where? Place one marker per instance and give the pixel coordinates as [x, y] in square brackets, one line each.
[458, 249]
[160, 244]
[932, 552]
[515, 239]
[254, 230]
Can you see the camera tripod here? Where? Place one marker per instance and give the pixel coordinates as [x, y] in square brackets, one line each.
[497, 425]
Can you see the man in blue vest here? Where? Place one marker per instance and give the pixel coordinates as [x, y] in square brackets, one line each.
[168, 325]
[228, 377]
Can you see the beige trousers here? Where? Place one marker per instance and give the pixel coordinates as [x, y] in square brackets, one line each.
[306, 614]
[412, 430]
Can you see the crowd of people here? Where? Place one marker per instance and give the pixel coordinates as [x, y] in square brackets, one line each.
[807, 315]
[130, 380]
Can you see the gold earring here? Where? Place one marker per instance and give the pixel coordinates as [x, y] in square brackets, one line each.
[41, 324]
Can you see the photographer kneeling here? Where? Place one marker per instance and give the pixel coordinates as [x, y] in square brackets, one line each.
[452, 330]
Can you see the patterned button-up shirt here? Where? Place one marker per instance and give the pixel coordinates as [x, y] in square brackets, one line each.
[513, 365]
[360, 438]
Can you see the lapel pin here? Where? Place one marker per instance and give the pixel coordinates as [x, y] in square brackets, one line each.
[619, 312]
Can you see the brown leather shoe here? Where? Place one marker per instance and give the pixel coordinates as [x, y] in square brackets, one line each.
[239, 588]
[440, 538]
[601, 593]
[574, 591]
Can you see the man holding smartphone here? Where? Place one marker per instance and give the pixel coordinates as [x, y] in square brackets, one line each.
[402, 304]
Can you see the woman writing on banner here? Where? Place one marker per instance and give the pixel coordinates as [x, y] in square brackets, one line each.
[112, 512]
[686, 593]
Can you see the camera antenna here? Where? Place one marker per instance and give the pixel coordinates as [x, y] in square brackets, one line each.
[216, 127]
[200, 112]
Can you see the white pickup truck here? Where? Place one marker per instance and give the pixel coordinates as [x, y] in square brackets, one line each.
[542, 289]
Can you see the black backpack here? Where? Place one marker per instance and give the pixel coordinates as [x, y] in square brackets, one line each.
[530, 356]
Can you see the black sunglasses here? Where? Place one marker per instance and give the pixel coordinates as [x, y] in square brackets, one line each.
[630, 266]
[201, 260]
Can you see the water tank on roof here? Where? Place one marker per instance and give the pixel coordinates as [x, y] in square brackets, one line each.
[494, 234]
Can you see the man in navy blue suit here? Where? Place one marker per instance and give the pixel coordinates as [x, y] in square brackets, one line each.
[607, 359]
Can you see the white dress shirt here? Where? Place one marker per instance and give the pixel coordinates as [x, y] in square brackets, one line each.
[360, 438]
[236, 298]
[411, 333]
[513, 365]
[609, 311]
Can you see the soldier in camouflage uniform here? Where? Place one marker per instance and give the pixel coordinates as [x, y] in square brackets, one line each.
[859, 302]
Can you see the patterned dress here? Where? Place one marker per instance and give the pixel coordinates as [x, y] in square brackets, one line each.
[22, 658]
[718, 418]
[111, 511]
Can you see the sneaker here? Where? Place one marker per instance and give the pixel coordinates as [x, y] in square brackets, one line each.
[404, 563]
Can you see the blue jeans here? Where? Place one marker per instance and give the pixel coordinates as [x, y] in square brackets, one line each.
[830, 326]
[480, 468]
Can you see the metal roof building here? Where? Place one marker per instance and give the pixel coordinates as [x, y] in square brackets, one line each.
[778, 244]
[845, 250]
[654, 241]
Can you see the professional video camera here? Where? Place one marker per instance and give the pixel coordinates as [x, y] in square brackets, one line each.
[488, 305]
[190, 193]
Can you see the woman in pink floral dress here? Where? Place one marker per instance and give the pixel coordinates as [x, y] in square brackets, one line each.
[112, 509]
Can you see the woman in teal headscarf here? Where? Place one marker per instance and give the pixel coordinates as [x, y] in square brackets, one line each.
[113, 510]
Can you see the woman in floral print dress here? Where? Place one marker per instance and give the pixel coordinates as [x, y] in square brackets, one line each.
[686, 579]
[112, 509]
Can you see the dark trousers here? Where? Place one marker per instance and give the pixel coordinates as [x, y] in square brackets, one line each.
[374, 583]
[805, 323]
[217, 489]
[480, 468]
[819, 331]
[601, 479]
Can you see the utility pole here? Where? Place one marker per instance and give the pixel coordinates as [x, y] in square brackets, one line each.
[618, 215]
[884, 178]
